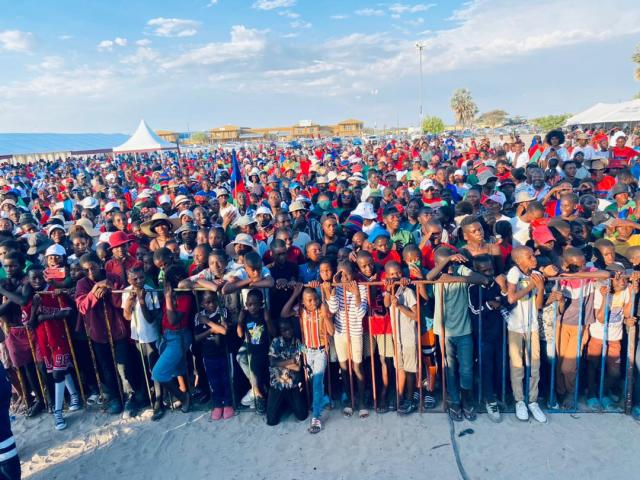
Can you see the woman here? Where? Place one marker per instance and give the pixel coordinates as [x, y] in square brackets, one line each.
[171, 368]
[160, 228]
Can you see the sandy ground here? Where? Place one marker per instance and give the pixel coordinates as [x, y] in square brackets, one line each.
[98, 446]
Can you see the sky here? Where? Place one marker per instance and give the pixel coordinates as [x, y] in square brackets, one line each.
[97, 66]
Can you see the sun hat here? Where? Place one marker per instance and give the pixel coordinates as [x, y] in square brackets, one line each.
[117, 239]
[37, 243]
[525, 195]
[297, 206]
[148, 227]
[244, 239]
[485, 176]
[55, 250]
[244, 221]
[180, 199]
[619, 188]
[86, 225]
[89, 203]
[497, 197]
[221, 191]
[186, 227]
[365, 211]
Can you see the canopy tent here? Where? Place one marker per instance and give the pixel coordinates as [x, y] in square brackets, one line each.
[608, 113]
[144, 139]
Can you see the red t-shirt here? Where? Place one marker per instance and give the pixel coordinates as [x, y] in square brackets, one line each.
[428, 254]
[620, 157]
[184, 304]
[393, 255]
[603, 186]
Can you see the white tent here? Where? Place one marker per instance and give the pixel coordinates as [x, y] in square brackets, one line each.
[608, 113]
[144, 140]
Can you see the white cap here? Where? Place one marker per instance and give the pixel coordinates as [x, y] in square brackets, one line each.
[55, 249]
[458, 172]
[262, 210]
[426, 184]
[111, 206]
[365, 210]
[89, 203]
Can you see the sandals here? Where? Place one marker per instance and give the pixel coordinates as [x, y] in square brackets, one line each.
[455, 413]
[315, 426]
[347, 411]
[363, 413]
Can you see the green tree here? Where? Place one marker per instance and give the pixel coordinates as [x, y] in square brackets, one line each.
[636, 59]
[433, 125]
[492, 119]
[201, 138]
[551, 122]
[463, 106]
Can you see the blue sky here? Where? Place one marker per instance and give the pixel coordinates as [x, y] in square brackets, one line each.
[89, 66]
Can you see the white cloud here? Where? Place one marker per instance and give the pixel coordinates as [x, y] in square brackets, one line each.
[143, 42]
[52, 63]
[245, 43]
[16, 41]
[142, 55]
[300, 24]
[291, 35]
[212, 3]
[272, 4]
[339, 16]
[399, 8]
[107, 45]
[173, 27]
[415, 22]
[65, 37]
[369, 12]
[289, 14]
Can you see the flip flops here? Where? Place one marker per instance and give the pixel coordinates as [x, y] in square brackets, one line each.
[363, 413]
[315, 426]
[347, 411]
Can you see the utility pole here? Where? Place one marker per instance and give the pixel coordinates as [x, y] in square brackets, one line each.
[420, 47]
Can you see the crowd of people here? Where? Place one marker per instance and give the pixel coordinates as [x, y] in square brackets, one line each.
[367, 277]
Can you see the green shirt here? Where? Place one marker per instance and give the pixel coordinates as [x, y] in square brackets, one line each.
[456, 306]
[402, 236]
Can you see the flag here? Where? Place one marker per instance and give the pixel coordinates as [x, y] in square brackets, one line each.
[237, 180]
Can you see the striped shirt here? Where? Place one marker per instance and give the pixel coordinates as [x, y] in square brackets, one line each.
[311, 329]
[354, 312]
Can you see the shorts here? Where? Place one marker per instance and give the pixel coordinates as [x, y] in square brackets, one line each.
[407, 358]
[428, 342]
[342, 347]
[384, 345]
[333, 357]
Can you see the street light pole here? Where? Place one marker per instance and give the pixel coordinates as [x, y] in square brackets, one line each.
[420, 47]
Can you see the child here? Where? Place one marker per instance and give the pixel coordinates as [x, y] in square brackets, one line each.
[579, 283]
[412, 257]
[254, 327]
[403, 303]
[348, 329]
[493, 314]
[316, 326]
[211, 332]
[383, 252]
[525, 288]
[379, 325]
[285, 371]
[452, 300]
[46, 314]
[141, 307]
[619, 298]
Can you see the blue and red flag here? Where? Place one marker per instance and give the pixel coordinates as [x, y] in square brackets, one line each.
[237, 180]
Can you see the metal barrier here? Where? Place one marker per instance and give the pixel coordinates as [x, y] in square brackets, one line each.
[552, 323]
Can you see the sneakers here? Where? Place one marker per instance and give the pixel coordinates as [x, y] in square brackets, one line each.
[60, 422]
[261, 405]
[248, 399]
[35, 408]
[130, 407]
[429, 401]
[493, 412]
[537, 412]
[186, 402]
[407, 407]
[158, 410]
[228, 412]
[521, 411]
[114, 407]
[635, 413]
[216, 414]
[74, 404]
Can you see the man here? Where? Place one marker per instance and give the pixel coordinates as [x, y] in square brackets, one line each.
[583, 147]
[603, 183]
[518, 158]
[372, 186]
[621, 155]
[303, 225]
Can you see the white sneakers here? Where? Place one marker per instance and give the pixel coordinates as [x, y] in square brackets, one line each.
[248, 399]
[521, 411]
[537, 413]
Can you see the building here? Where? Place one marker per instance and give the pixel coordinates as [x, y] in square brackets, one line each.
[303, 129]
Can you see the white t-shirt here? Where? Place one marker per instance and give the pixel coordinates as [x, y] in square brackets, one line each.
[520, 231]
[141, 329]
[405, 327]
[241, 274]
[525, 312]
[519, 161]
[616, 315]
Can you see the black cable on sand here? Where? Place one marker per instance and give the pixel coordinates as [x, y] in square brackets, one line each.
[456, 452]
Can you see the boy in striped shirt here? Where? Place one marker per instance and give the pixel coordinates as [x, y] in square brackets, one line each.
[348, 302]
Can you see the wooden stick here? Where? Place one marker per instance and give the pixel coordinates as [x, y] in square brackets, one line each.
[93, 358]
[43, 389]
[371, 355]
[113, 350]
[349, 353]
[395, 321]
[73, 354]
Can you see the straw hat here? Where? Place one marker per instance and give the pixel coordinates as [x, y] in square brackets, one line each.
[86, 225]
[148, 227]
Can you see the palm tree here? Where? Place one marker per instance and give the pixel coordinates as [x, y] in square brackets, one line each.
[636, 59]
[463, 106]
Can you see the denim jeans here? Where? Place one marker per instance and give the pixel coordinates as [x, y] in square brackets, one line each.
[459, 353]
[218, 375]
[124, 362]
[317, 360]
